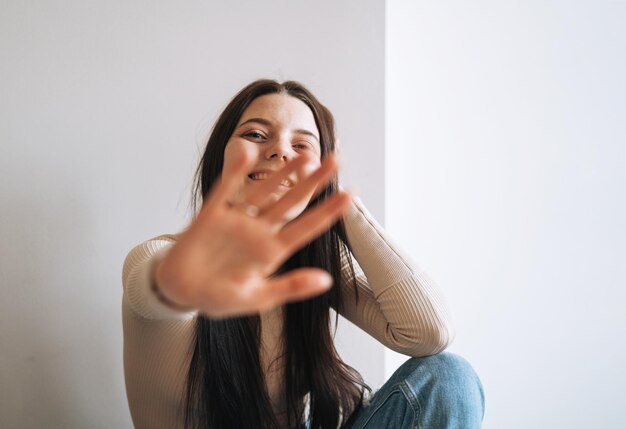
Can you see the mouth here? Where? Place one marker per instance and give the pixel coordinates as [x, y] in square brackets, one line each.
[262, 175]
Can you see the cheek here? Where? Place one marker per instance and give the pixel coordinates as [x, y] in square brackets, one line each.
[314, 162]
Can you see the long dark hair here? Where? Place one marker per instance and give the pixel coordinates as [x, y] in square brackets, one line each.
[225, 384]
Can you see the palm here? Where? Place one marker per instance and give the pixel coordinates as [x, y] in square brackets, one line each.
[222, 263]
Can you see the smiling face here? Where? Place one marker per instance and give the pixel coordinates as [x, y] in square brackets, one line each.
[276, 128]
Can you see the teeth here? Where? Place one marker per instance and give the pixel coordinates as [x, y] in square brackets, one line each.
[259, 176]
[262, 176]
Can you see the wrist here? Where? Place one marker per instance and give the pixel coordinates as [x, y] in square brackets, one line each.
[156, 287]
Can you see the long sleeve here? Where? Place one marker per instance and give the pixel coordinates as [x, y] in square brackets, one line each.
[398, 303]
[136, 280]
[157, 343]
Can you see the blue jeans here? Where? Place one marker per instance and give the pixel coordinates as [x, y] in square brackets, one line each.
[434, 392]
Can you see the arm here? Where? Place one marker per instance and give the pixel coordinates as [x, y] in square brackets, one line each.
[140, 290]
[220, 264]
[398, 304]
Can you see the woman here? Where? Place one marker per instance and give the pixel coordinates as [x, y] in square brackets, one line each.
[227, 324]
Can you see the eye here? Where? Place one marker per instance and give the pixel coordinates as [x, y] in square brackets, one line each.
[254, 135]
[303, 145]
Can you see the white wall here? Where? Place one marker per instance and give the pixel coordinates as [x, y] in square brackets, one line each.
[506, 146]
[104, 106]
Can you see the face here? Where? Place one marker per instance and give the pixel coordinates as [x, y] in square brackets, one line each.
[276, 128]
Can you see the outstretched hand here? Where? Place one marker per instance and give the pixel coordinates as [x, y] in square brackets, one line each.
[222, 263]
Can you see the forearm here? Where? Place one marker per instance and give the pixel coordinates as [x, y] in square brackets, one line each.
[138, 278]
[399, 303]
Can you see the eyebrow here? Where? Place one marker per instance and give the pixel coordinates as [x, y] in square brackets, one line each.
[267, 123]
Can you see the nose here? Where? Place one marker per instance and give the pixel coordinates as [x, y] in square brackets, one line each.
[280, 149]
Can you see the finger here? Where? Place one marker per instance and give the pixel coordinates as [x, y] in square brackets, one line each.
[228, 184]
[314, 222]
[295, 285]
[303, 191]
[322, 186]
[262, 191]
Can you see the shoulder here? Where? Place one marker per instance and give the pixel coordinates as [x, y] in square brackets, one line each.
[146, 250]
[138, 282]
[165, 237]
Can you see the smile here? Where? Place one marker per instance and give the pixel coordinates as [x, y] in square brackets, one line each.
[262, 176]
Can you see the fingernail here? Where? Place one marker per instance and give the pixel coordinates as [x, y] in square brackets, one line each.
[309, 168]
[352, 190]
[325, 280]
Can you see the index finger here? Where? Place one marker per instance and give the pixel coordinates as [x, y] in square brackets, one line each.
[314, 221]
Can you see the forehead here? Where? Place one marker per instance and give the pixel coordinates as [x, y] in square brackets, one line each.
[283, 111]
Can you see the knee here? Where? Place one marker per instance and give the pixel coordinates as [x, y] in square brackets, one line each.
[444, 380]
[446, 368]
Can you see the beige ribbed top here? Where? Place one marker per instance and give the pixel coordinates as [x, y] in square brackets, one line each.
[399, 305]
